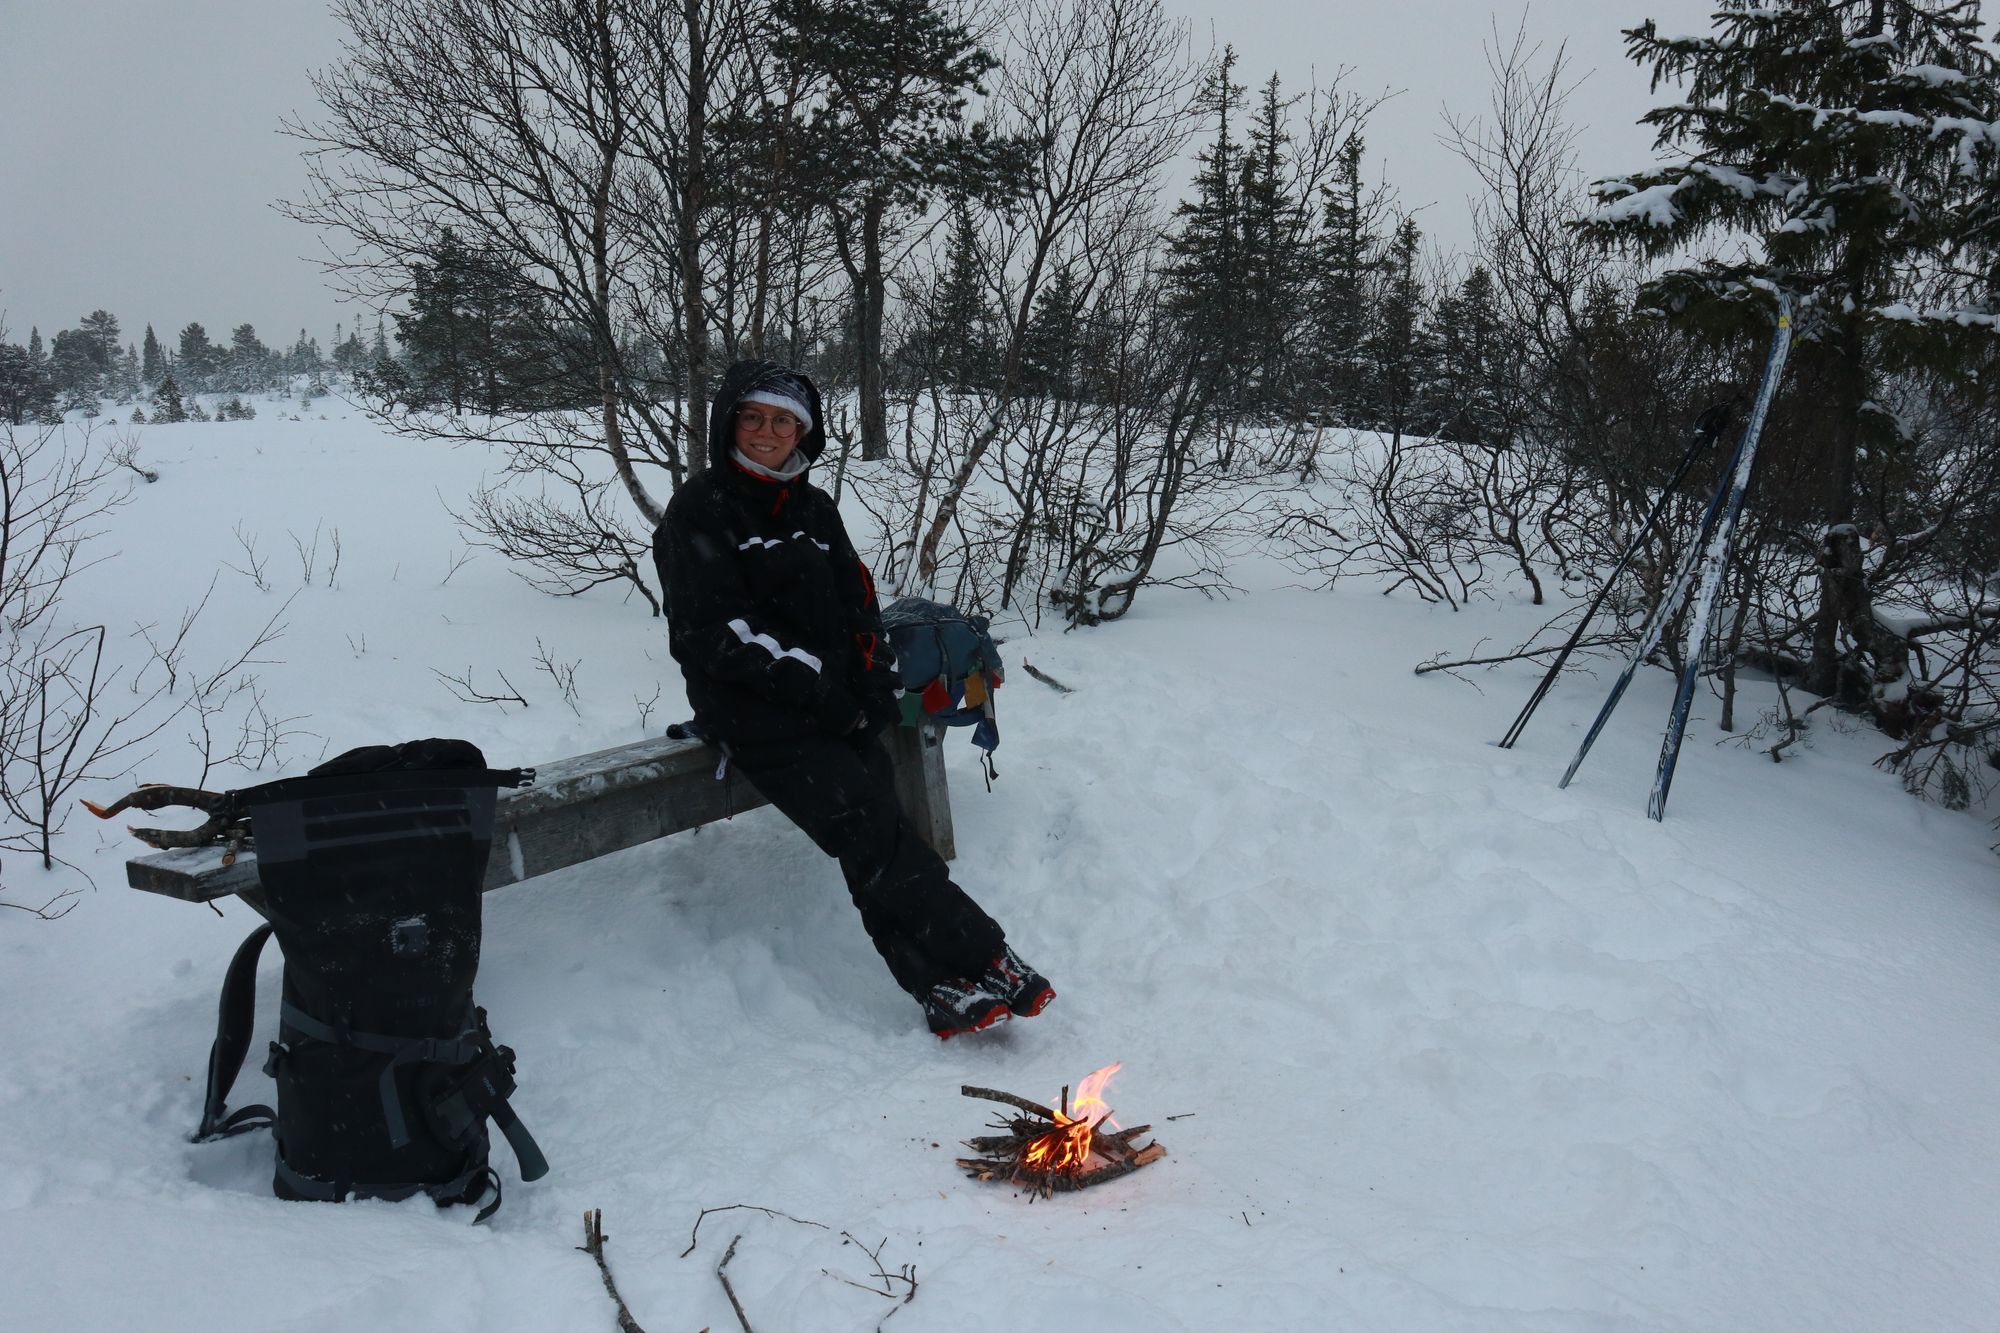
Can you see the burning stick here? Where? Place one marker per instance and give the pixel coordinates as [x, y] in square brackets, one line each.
[1049, 1150]
[226, 824]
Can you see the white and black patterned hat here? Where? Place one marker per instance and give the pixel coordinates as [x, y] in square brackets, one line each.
[786, 391]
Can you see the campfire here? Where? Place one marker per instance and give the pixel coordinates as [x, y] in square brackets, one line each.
[1068, 1147]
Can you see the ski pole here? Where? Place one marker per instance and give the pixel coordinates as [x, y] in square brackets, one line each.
[1716, 564]
[1701, 437]
[1656, 624]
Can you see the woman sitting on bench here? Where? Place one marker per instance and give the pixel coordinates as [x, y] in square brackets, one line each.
[772, 617]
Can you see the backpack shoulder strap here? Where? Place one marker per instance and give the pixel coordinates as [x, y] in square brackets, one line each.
[234, 1021]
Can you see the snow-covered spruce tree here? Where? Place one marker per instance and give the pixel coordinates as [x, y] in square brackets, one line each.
[1840, 151]
[1205, 252]
[1399, 349]
[198, 360]
[247, 362]
[168, 404]
[957, 341]
[26, 392]
[1468, 398]
[1275, 236]
[153, 363]
[1347, 258]
[465, 335]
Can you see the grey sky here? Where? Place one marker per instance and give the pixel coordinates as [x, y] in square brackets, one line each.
[142, 157]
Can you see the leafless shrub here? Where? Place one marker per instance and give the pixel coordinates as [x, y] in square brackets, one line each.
[310, 556]
[563, 674]
[646, 707]
[54, 499]
[254, 562]
[465, 691]
[1408, 511]
[56, 733]
[569, 545]
[125, 454]
[169, 652]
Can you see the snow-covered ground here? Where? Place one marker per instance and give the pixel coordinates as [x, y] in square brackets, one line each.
[1431, 1044]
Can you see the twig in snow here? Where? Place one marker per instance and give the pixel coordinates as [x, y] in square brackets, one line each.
[695, 1235]
[593, 1245]
[899, 1286]
[562, 673]
[730, 1291]
[1438, 663]
[907, 1275]
[1045, 678]
[463, 689]
[256, 562]
[126, 454]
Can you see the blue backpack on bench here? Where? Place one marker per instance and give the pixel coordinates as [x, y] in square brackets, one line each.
[950, 667]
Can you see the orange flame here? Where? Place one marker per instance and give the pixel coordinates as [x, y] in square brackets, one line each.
[1066, 1148]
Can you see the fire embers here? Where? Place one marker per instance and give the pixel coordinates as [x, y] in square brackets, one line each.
[1071, 1148]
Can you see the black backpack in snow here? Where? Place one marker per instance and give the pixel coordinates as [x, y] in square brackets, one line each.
[949, 665]
[371, 867]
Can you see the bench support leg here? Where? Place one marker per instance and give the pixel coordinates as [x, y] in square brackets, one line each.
[920, 785]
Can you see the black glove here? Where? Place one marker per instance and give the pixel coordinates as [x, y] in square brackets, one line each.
[880, 712]
[838, 712]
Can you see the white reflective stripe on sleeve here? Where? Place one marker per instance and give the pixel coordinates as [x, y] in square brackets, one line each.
[774, 541]
[772, 646]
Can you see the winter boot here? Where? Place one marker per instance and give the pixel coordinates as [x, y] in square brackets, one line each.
[953, 1007]
[1026, 991]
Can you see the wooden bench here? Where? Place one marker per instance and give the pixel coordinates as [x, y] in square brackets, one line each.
[590, 805]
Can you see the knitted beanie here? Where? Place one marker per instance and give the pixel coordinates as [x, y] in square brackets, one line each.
[786, 391]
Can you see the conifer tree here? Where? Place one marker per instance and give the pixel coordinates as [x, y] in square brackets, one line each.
[1056, 354]
[198, 359]
[101, 327]
[959, 342]
[152, 363]
[248, 360]
[466, 332]
[349, 354]
[167, 403]
[26, 392]
[888, 135]
[1273, 271]
[1346, 262]
[77, 365]
[1205, 253]
[1399, 353]
[128, 377]
[1839, 151]
[1469, 398]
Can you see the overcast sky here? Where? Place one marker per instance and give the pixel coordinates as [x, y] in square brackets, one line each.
[141, 154]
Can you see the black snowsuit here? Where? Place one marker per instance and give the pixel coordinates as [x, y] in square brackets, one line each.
[773, 619]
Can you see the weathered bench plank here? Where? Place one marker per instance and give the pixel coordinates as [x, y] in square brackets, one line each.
[586, 806]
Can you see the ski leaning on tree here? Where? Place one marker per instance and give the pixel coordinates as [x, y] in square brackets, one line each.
[773, 619]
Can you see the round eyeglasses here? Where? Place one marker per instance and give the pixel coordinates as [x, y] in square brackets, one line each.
[783, 424]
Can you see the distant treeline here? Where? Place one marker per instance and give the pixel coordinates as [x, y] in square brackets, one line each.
[78, 368]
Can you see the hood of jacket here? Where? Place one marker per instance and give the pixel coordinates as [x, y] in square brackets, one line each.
[742, 379]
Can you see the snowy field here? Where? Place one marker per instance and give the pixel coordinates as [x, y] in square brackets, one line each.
[1432, 1045]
